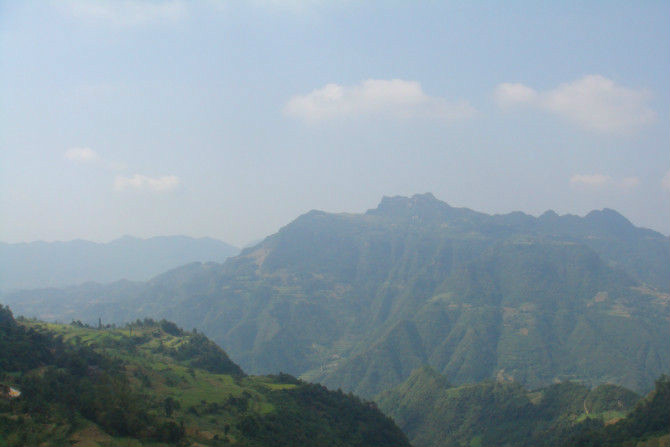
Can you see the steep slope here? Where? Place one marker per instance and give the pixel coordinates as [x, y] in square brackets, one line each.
[647, 425]
[359, 300]
[533, 312]
[153, 383]
[491, 413]
[54, 264]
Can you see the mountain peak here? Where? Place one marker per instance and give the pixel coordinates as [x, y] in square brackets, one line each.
[549, 214]
[426, 197]
[424, 208]
[609, 219]
[397, 206]
[609, 214]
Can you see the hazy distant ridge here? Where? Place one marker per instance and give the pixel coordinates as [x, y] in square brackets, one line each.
[54, 264]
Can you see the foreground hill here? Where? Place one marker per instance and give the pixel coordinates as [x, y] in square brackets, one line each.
[152, 383]
[358, 301]
[432, 412]
[53, 264]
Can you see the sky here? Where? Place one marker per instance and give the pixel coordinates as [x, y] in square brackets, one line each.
[229, 119]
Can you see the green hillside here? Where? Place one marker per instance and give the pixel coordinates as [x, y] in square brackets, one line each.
[151, 383]
[499, 413]
[648, 425]
[358, 301]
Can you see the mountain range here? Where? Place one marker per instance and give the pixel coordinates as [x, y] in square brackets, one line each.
[56, 264]
[359, 301]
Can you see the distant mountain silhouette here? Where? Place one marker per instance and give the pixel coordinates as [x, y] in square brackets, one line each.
[53, 264]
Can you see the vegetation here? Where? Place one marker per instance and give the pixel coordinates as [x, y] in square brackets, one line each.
[648, 424]
[432, 412]
[153, 383]
[359, 301]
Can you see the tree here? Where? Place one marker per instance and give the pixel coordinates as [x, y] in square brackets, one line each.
[169, 405]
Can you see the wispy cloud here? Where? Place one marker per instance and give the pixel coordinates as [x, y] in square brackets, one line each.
[86, 155]
[394, 98]
[141, 182]
[126, 12]
[81, 155]
[593, 102]
[508, 95]
[602, 180]
[591, 180]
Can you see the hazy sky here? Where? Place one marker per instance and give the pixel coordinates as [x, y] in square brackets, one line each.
[229, 118]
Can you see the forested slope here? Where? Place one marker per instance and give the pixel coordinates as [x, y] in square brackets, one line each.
[499, 413]
[151, 383]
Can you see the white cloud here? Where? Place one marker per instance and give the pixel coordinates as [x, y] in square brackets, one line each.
[508, 95]
[374, 97]
[123, 183]
[81, 155]
[666, 181]
[601, 180]
[630, 182]
[145, 183]
[593, 180]
[593, 102]
[127, 12]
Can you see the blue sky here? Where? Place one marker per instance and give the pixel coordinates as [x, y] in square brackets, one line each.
[228, 119]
